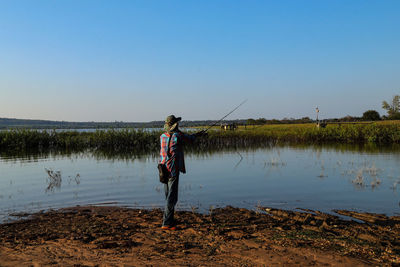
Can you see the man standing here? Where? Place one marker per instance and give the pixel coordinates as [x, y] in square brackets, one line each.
[173, 157]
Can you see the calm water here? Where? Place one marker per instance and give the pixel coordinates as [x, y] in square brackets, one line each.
[286, 177]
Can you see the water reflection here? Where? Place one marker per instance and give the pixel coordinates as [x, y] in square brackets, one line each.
[316, 177]
[53, 180]
[240, 160]
[36, 155]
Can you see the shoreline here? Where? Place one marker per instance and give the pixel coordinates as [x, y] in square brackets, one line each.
[93, 235]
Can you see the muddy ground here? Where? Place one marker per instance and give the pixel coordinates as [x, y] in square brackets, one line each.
[112, 236]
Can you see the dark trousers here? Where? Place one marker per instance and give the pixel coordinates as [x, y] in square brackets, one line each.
[171, 196]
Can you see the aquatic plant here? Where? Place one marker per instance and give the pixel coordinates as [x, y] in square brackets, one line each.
[375, 182]
[394, 186]
[359, 180]
[54, 180]
[139, 141]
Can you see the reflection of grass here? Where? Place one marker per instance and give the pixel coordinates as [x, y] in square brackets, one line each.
[275, 162]
[394, 186]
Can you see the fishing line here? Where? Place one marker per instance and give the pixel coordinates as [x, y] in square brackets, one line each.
[215, 123]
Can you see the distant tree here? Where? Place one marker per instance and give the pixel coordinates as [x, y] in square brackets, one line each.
[347, 118]
[395, 116]
[305, 120]
[261, 121]
[251, 121]
[371, 115]
[392, 108]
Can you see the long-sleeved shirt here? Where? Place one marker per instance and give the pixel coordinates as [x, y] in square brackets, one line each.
[176, 161]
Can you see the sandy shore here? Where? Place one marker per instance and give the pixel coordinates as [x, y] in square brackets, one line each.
[112, 236]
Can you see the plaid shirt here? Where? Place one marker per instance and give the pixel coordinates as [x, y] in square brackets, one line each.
[176, 162]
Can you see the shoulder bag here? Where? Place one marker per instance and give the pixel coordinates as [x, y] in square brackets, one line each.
[163, 171]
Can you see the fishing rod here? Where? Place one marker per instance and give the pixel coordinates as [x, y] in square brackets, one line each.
[215, 123]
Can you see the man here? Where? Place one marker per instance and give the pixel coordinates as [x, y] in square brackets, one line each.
[175, 162]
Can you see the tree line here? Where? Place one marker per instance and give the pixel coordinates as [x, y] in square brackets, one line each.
[392, 108]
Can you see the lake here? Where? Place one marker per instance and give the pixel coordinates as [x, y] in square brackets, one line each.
[289, 177]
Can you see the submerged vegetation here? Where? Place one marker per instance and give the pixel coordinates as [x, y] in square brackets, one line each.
[139, 141]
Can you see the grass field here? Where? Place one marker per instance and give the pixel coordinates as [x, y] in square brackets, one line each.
[377, 132]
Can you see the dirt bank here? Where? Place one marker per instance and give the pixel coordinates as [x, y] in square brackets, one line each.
[111, 236]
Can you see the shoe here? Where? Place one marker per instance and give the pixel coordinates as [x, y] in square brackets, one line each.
[167, 227]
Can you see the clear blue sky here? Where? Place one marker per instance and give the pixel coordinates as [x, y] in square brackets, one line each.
[120, 60]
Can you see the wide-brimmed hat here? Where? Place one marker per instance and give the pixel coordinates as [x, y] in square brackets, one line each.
[171, 122]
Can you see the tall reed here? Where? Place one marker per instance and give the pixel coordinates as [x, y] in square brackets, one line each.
[132, 140]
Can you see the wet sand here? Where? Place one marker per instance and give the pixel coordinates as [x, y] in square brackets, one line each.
[112, 236]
